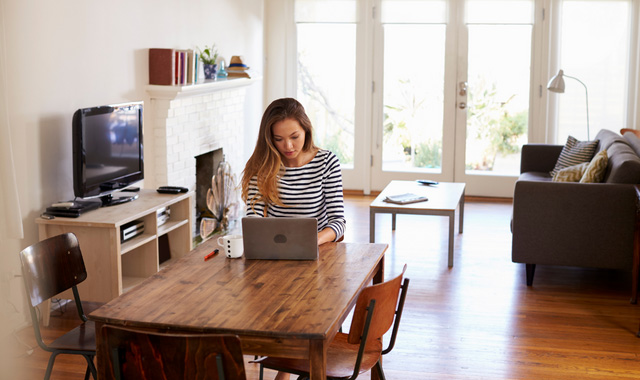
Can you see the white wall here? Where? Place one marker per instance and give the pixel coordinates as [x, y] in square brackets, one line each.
[64, 55]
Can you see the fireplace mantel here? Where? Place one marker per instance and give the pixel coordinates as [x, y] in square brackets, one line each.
[182, 122]
[209, 85]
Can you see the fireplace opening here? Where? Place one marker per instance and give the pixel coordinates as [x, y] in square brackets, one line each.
[206, 166]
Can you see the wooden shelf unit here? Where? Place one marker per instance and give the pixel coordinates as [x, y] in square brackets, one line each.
[114, 267]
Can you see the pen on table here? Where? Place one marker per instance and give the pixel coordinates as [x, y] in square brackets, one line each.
[215, 251]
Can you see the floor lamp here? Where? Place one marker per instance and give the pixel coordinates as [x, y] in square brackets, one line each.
[556, 84]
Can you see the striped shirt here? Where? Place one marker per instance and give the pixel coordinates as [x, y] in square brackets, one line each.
[313, 190]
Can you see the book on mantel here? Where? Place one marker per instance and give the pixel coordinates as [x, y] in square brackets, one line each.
[403, 199]
[162, 66]
[173, 66]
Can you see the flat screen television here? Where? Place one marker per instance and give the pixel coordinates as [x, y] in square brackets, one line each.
[107, 151]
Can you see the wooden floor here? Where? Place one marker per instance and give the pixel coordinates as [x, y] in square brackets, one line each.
[477, 320]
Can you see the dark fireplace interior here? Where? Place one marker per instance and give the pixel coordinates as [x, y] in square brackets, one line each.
[206, 166]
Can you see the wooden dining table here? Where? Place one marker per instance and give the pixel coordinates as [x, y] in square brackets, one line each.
[284, 308]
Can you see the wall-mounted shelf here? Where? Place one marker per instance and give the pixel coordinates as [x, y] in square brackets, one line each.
[209, 85]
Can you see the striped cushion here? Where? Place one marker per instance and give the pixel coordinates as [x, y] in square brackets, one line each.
[571, 173]
[597, 167]
[575, 152]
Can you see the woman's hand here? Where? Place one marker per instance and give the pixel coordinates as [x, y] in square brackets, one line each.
[326, 235]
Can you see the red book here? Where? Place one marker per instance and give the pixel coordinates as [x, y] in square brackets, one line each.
[183, 67]
[176, 79]
[161, 66]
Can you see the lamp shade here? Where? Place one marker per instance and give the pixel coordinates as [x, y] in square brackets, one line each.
[556, 83]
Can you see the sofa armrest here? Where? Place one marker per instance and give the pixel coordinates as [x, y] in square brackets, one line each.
[539, 157]
[574, 224]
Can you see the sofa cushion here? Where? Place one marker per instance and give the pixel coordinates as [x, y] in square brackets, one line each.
[633, 141]
[571, 173]
[535, 176]
[575, 152]
[624, 164]
[606, 138]
[594, 172]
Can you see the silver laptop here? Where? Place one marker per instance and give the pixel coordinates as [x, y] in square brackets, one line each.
[280, 238]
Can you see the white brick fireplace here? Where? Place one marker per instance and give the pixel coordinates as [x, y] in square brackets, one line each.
[182, 122]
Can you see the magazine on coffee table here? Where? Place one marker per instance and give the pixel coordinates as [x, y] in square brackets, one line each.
[403, 199]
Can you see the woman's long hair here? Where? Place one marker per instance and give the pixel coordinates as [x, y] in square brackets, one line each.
[266, 163]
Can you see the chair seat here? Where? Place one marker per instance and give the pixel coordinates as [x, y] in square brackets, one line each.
[81, 338]
[341, 357]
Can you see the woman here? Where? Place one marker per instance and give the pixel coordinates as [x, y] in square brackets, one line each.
[288, 176]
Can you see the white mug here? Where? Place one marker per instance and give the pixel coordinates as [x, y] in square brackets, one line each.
[232, 245]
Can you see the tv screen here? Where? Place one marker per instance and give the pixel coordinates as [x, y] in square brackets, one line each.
[107, 150]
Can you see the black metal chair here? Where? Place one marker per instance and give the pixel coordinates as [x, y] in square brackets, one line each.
[133, 354]
[378, 307]
[49, 268]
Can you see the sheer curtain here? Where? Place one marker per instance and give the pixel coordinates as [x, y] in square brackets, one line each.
[10, 215]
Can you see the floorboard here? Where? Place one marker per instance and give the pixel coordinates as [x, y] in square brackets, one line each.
[477, 320]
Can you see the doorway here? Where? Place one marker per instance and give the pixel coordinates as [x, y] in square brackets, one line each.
[455, 94]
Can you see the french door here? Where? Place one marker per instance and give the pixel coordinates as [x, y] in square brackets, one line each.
[454, 99]
[421, 89]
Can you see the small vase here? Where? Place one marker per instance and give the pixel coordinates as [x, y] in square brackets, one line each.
[209, 71]
[222, 73]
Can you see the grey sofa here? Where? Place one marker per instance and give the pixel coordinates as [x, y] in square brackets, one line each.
[577, 224]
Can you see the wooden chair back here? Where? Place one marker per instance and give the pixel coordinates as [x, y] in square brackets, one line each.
[386, 300]
[634, 131]
[133, 354]
[52, 266]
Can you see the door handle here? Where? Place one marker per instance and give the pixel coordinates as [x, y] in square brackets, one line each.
[462, 105]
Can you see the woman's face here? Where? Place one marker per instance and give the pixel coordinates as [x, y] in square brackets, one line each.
[288, 137]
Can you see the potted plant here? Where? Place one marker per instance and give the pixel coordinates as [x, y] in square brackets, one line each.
[209, 56]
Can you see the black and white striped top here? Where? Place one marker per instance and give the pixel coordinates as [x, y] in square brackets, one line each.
[313, 190]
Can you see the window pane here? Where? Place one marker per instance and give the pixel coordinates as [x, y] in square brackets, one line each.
[326, 84]
[325, 11]
[499, 11]
[413, 97]
[414, 11]
[498, 97]
[594, 48]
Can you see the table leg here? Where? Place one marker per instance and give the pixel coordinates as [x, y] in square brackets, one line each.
[378, 277]
[636, 262]
[317, 359]
[461, 212]
[452, 217]
[372, 226]
[393, 221]
[101, 347]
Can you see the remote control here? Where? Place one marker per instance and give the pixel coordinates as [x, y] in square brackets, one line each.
[168, 191]
[426, 182]
[179, 188]
[132, 189]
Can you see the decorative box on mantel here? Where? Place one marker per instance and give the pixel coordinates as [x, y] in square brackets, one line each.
[182, 122]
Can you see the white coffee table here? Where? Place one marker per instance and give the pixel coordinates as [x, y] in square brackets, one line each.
[444, 198]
